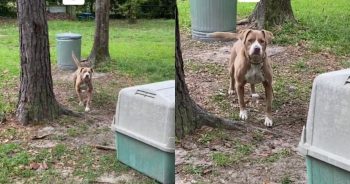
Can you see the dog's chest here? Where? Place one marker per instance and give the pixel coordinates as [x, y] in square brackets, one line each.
[255, 74]
[84, 86]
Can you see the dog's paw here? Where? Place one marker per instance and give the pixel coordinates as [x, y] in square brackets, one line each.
[268, 122]
[243, 115]
[87, 109]
[81, 103]
[255, 96]
[230, 92]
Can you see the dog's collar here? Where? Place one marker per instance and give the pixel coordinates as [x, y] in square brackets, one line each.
[256, 63]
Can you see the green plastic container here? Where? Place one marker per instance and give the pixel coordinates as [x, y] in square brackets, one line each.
[145, 129]
[319, 172]
[149, 160]
[325, 138]
[209, 16]
[66, 43]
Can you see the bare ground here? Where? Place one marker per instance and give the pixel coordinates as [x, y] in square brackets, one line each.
[230, 156]
[81, 161]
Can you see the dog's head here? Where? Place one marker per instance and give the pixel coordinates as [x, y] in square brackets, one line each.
[255, 42]
[86, 73]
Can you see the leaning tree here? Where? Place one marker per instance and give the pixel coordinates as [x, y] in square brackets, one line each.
[190, 115]
[36, 101]
[269, 13]
[100, 49]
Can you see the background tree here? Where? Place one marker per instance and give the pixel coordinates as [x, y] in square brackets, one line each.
[100, 49]
[269, 13]
[189, 115]
[36, 99]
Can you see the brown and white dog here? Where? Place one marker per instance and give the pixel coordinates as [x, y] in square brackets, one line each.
[83, 81]
[249, 64]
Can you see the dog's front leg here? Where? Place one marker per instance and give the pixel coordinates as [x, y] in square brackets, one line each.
[232, 81]
[269, 93]
[243, 114]
[78, 91]
[89, 98]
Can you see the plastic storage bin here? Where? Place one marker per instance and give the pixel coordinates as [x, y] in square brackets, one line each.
[145, 129]
[324, 141]
[66, 43]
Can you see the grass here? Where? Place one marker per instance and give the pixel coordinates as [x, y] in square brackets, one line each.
[207, 137]
[193, 169]
[86, 163]
[322, 24]
[286, 180]
[144, 50]
[283, 153]
[241, 153]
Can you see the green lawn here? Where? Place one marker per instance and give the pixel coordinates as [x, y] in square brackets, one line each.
[323, 24]
[143, 50]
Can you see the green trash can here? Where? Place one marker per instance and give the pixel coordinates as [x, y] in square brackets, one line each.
[209, 16]
[66, 43]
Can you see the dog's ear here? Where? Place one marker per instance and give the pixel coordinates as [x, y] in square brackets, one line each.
[92, 70]
[268, 36]
[244, 34]
[81, 69]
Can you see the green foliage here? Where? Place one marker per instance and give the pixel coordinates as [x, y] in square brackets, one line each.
[8, 8]
[130, 9]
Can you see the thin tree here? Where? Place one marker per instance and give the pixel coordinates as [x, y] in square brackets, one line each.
[189, 115]
[36, 101]
[100, 49]
[268, 13]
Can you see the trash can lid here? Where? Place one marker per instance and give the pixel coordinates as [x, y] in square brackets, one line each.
[68, 36]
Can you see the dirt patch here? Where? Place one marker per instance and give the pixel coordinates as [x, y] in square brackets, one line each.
[228, 156]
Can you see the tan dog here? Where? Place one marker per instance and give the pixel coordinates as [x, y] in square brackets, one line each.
[249, 64]
[83, 80]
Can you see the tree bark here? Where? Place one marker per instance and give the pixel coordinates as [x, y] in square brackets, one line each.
[268, 13]
[189, 115]
[100, 50]
[72, 12]
[36, 100]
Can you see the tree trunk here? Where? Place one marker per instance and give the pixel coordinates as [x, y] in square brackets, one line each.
[268, 13]
[189, 115]
[36, 100]
[71, 12]
[100, 52]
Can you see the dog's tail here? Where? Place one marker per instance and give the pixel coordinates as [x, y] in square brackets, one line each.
[76, 61]
[224, 35]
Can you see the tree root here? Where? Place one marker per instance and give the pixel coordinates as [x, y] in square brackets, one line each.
[68, 112]
[214, 121]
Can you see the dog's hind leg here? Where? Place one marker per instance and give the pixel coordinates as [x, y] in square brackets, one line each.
[255, 95]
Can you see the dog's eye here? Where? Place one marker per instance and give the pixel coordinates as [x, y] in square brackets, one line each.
[262, 41]
[251, 40]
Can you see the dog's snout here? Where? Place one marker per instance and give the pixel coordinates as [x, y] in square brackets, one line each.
[256, 50]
